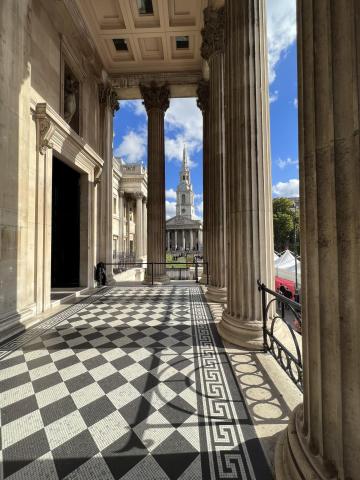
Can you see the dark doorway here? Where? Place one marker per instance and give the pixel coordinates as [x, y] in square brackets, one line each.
[65, 238]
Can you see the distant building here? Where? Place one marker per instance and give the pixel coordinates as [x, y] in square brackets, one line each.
[129, 210]
[184, 232]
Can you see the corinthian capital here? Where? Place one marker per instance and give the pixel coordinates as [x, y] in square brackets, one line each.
[213, 32]
[155, 96]
[108, 96]
[203, 95]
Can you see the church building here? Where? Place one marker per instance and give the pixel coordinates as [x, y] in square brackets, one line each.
[184, 231]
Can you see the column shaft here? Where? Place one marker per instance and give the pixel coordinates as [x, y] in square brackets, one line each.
[144, 235]
[213, 50]
[156, 101]
[176, 240]
[248, 174]
[203, 104]
[139, 226]
[121, 221]
[323, 439]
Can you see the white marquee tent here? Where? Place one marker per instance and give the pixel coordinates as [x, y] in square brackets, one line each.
[285, 266]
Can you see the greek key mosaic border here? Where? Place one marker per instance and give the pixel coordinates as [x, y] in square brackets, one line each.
[36, 330]
[222, 418]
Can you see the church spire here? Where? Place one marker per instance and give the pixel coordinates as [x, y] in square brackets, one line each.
[185, 159]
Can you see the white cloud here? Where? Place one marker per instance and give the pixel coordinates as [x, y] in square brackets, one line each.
[199, 210]
[170, 209]
[133, 146]
[274, 96]
[170, 193]
[135, 106]
[198, 196]
[287, 189]
[281, 30]
[295, 103]
[283, 163]
[183, 122]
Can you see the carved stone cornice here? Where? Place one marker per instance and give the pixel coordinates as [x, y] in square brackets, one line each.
[133, 80]
[108, 96]
[213, 38]
[203, 95]
[155, 96]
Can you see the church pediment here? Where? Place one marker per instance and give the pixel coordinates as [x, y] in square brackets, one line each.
[182, 221]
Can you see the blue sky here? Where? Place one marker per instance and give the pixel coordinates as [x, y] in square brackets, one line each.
[183, 120]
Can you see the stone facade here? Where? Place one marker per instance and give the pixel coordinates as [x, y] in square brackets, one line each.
[129, 210]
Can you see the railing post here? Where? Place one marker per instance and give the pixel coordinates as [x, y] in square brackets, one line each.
[196, 272]
[263, 298]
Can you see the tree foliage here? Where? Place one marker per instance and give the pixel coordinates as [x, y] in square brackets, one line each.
[286, 219]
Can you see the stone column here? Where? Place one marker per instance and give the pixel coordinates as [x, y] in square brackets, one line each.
[203, 104]
[108, 105]
[323, 440]
[212, 50]
[139, 225]
[156, 101]
[183, 246]
[176, 240]
[121, 221]
[191, 240]
[144, 218]
[127, 241]
[248, 174]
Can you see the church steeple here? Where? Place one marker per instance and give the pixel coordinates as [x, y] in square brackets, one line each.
[185, 195]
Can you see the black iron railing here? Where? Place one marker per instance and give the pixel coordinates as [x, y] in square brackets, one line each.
[277, 308]
[103, 268]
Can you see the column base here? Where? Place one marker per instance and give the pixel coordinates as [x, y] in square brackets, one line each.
[216, 294]
[293, 458]
[156, 280]
[246, 334]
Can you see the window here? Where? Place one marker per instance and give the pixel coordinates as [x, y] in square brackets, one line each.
[182, 42]
[183, 177]
[183, 199]
[115, 205]
[145, 7]
[120, 44]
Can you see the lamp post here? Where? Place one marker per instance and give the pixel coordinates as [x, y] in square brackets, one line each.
[296, 278]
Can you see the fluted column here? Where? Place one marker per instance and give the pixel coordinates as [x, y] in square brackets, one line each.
[156, 101]
[323, 440]
[191, 240]
[144, 235]
[176, 239]
[108, 105]
[139, 225]
[212, 50]
[121, 221]
[203, 104]
[248, 173]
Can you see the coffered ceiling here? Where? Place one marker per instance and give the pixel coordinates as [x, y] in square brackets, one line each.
[130, 40]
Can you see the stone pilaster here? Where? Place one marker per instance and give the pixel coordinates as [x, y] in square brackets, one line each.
[248, 173]
[139, 225]
[203, 104]
[156, 101]
[322, 440]
[108, 106]
[212, 50]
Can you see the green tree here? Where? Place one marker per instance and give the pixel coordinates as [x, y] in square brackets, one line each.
[285, 219]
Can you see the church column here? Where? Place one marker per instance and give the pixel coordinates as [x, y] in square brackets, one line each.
[191, 240]
[248, 173]
[176, 239]
[168, 240]
[121, 221]
[322, 440]
[212, 50]
[183, 239]
[203, 104]
[139, 225]
[108, 105]
[156, 101]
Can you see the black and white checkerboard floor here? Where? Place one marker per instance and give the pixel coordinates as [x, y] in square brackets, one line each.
[134, 384]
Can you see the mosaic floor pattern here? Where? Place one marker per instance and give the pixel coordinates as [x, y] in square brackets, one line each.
[133, 383]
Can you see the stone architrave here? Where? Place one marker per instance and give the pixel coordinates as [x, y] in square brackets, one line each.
[322, 440]
[156, 101]
[203, 104]
[212, 50]
[108, 105]
[139, 225]
[248, 174]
